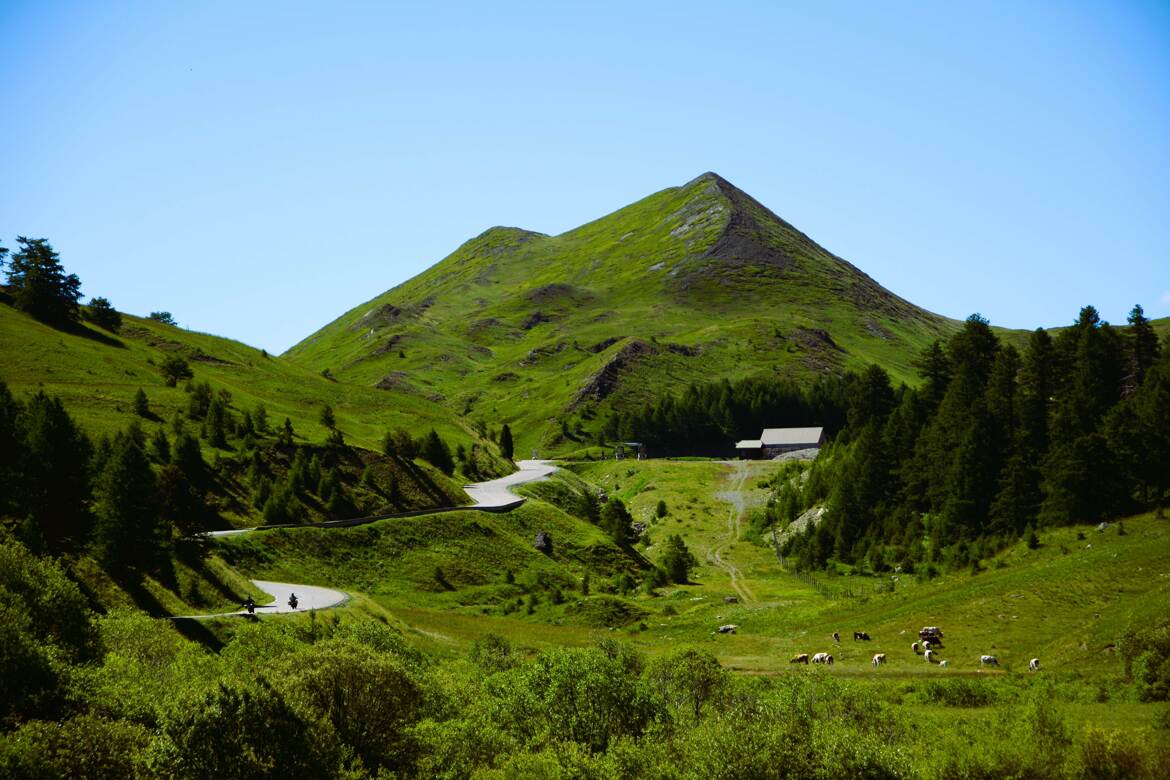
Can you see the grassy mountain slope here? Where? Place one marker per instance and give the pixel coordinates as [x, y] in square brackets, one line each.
[97, 373]
[1067, 602]
[690, 284]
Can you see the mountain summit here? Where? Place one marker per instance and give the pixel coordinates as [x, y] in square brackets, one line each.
[693, 283]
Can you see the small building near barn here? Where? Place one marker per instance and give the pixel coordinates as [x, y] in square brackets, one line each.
[749, 449]
[775, 441]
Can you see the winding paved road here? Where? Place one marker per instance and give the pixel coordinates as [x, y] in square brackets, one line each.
[308, 597]
[496, 495]
[493, 496]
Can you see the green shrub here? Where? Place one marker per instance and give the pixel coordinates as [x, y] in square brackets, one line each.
[242, 731]
[84, 746]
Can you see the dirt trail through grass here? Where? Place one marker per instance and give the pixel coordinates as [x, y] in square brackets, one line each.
[738, 506]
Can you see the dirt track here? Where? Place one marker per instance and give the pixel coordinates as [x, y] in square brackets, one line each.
[738, 507]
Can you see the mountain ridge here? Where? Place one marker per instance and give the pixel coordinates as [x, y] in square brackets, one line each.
[690, 283]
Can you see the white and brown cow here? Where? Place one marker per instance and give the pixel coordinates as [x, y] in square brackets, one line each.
[878, 660]
[930, 656]
[800, 658]
[1034, 665]
[822, 658]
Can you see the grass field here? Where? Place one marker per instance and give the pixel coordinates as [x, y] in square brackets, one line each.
[97, 373]
[1066, 602]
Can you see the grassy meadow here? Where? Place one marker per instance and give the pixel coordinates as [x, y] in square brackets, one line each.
[1066, 602]
[96, 374]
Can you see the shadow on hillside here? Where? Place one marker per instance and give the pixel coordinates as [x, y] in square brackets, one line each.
[72, 328]
[133, 585]
[196, 631]
[428, 486]
[193, 558]
[86, 332]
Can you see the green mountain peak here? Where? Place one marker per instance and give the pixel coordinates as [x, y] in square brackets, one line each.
[692, 283]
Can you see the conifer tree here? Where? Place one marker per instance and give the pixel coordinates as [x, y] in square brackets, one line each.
[260, 417]
[677, 561]
[506, 447]
[1142, 349]
[179, 501]
[436, 452]
[160, 447]
[216, 422]
[141, 405]
[129, 533]
[39, 285]
[12, 453]
[616, 521]
[55, 471]
[188, 458]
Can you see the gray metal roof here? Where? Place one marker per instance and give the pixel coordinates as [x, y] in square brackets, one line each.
[773, 437]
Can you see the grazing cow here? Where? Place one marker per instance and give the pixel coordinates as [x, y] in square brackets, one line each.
[1034, 665]
[930, 656]
[878, 660]
[822, 658]
[926, 644]
[917, 648]
[836, 637]
[864, 637]
[988, 660]
[802, 658]
[943, 664]
[728, 629]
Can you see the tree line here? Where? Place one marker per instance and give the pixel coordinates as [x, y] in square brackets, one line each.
[709, 418]
[994, 444]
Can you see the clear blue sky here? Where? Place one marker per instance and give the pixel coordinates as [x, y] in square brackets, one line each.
[257, 168]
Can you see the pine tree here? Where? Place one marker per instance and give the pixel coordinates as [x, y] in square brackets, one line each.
[55, 485]
[260, 417]
[327, 418]
[935, 367]
[129, 533]
[677, 561]
[141, 405]
[216, 423]
[187, 456]
[616, 521]
[160, 447]
[436, 452]
[39, 285]
[179, 502]
[286, 433]
[1142, 350]
[506, 447]
[12, 452]
[589, 506]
